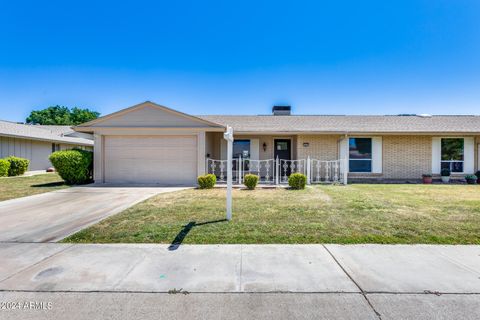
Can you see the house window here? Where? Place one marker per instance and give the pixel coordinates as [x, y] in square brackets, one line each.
[360, 154]
[452, 154]
[282, 145]
[55, 147]
[241, 148]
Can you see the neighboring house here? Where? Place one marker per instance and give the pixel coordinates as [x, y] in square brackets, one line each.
[36, 143]
[149, 143]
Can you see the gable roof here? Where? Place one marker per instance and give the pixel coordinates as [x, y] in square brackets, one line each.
[97, 122]
[34, 132]
[349, 124]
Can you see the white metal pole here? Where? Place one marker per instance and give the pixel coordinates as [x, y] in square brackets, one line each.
[229, 137]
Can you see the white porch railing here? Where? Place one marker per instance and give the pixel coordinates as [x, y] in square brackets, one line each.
[219, 169]
[331, 171]
[277, 171]
[264, 169]
[287, 167]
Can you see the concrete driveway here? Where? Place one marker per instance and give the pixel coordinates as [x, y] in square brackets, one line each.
[52, 216]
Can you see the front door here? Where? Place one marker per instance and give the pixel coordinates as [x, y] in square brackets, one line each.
[282, 149]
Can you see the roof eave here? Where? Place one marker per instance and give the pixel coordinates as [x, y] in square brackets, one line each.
[47, 139]
[339, 132]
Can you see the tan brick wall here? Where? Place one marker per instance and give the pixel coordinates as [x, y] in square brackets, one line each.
[406, 157]
[322, 147]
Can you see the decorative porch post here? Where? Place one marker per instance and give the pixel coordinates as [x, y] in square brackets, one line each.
[240, 169]
[345, 160]
[277, 170]
[308, 170]
[228, 135]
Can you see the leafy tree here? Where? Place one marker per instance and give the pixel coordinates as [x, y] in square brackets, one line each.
[61, 115]
[78, 115]
[52, 115]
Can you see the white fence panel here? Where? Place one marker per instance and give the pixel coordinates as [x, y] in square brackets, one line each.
[264, 169]
[219, 169]
[287, 167]
[277, 171]
[322, 171]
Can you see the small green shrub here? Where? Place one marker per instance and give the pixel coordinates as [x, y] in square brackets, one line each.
[478, 174]
[74, 166]
[18, 166]
[250, 181]
[445, 172]
[297, 181]
[4, 166]
[207, 181]
[471, 178]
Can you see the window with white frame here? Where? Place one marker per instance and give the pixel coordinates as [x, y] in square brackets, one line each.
[360, 154]
[453, 154]
[241, 148]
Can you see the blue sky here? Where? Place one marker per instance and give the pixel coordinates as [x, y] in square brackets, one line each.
[241, 57]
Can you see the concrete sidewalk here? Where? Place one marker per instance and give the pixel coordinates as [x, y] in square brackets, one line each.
[232, 281]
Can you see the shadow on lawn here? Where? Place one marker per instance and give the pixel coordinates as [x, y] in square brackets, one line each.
[49, 185]
[186, 229]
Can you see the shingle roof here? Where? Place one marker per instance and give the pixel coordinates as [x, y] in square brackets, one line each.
[349, 124]
[58, 130]
[18, 130]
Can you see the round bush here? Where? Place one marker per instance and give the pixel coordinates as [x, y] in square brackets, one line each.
[74, 166]
[297, 181]
[18, 166]
[250, 181]
[4, 166]
[207, 181]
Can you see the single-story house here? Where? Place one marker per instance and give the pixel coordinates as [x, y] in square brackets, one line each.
[149, 143]
[37, 142]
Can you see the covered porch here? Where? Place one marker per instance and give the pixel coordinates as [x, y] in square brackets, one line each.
[274, 157]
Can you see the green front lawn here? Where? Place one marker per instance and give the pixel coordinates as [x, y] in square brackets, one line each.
[358, 213]
[16, 187]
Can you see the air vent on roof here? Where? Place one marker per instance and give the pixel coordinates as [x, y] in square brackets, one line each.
[281, 110]
[422, 115]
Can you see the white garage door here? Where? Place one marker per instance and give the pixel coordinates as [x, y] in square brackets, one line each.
[168, 160]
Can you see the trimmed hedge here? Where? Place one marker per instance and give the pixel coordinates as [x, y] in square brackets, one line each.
[74, 166]
[297, 181]
[18, 166]
[207, 181]
[250, 181]
[4, 166]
